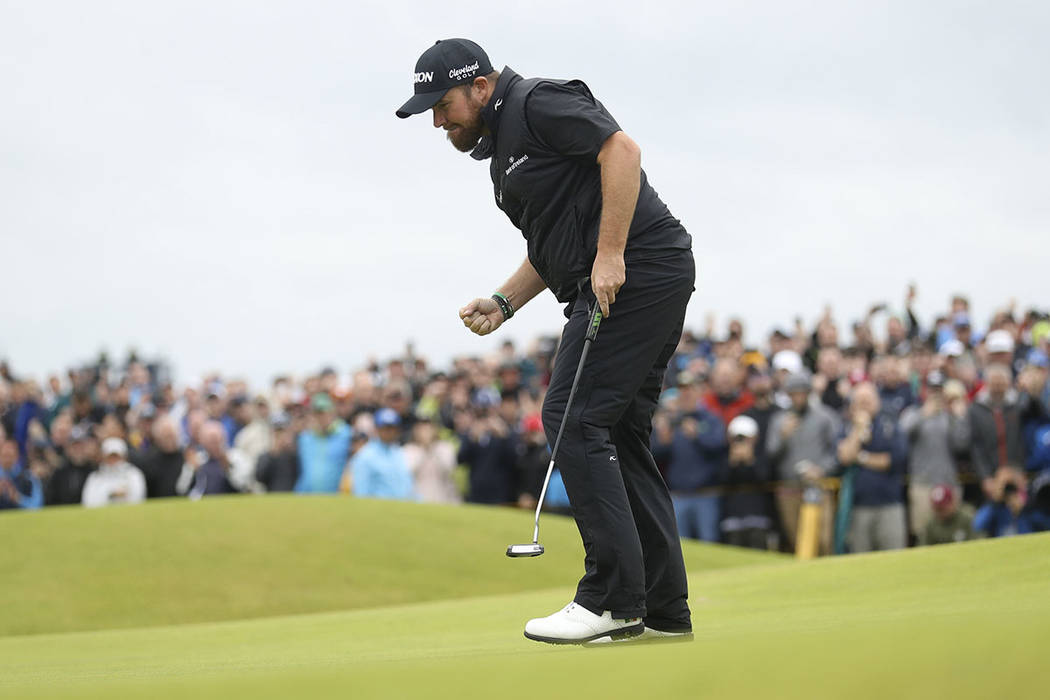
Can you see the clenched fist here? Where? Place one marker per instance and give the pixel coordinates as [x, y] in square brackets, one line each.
[481, 316]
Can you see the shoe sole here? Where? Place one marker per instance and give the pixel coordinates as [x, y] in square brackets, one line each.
[622, 633]
[640, 641]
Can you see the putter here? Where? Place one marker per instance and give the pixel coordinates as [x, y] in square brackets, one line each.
[534, 549]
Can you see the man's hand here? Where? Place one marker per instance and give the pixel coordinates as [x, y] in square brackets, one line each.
[808, 471]
[607, 276]
[690, 427]
[192, 458]
[8, 490]
[481, 316]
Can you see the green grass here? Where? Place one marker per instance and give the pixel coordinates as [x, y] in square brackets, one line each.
[178, 561]
[958, 621]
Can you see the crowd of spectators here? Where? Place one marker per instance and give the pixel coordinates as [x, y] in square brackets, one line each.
[899, 433]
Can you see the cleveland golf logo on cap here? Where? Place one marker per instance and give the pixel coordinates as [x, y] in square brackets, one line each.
[464, 72]
[446, 64]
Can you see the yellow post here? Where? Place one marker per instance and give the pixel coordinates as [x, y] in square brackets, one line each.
[807, 538]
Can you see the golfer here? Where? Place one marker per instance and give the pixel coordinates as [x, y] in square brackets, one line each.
[570, 180]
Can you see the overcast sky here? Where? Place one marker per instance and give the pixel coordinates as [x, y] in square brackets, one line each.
[225, 183]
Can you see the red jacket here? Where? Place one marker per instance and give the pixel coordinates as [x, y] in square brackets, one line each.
[728, 411]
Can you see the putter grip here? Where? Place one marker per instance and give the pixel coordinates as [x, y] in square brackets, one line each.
[596, 320]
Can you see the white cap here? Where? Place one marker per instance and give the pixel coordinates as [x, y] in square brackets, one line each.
[999, 341]
[743, 425]
[952, 348]
[114, 446]
[787, 360]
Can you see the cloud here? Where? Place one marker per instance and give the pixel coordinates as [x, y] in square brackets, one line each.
[227, 184]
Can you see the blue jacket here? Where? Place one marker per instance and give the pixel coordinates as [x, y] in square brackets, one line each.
[879, 488]
[1037, 440]
[895, 400]
[491, 462]
[694, 463]
[322, 458]
[379, 470]
[26, 484]
[27, 412]
[997, 520]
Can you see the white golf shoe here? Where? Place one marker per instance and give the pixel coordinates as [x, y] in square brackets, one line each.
[574, 624]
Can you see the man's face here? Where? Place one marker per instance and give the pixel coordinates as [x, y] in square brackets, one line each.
[389, 433]
[324, 419]
[724, 379]
[508, 411]
[245, 413]
[213, 442]
[425, 432]
[283, 439]
[799, 399]
[1000, 358]
[459, 114]
[166, 436]
[760, 385]
[214, 407]
[998, 382]
[829, 361]
[865, 398]
[394, 399]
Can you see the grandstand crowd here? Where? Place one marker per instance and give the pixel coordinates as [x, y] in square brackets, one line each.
[899, 433]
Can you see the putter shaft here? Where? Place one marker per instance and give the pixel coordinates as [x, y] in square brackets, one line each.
[592, 332]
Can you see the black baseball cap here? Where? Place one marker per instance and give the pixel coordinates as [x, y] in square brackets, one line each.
[446, 64]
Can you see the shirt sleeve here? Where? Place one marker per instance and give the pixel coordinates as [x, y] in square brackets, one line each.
[361, 474]
[35, 498]
[567, 118]
[136, 486]
[93, 494]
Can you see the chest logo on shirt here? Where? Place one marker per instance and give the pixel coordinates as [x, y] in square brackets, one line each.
[514, 164]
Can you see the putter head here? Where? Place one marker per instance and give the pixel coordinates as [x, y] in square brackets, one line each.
[525, 550]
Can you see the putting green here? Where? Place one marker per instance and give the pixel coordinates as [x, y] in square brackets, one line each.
[957, 621]
[178, 561]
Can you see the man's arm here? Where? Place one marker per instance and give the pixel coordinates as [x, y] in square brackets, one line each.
[136, 486]
[94, 494]
[620, 161]
[482, 316]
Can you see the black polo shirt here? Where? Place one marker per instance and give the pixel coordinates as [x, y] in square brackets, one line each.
[543, 142]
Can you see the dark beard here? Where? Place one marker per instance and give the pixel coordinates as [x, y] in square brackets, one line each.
[465, 138]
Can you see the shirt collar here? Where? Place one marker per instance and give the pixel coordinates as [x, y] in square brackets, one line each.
[491, 114]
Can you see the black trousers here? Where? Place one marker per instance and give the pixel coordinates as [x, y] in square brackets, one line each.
[633, 559]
